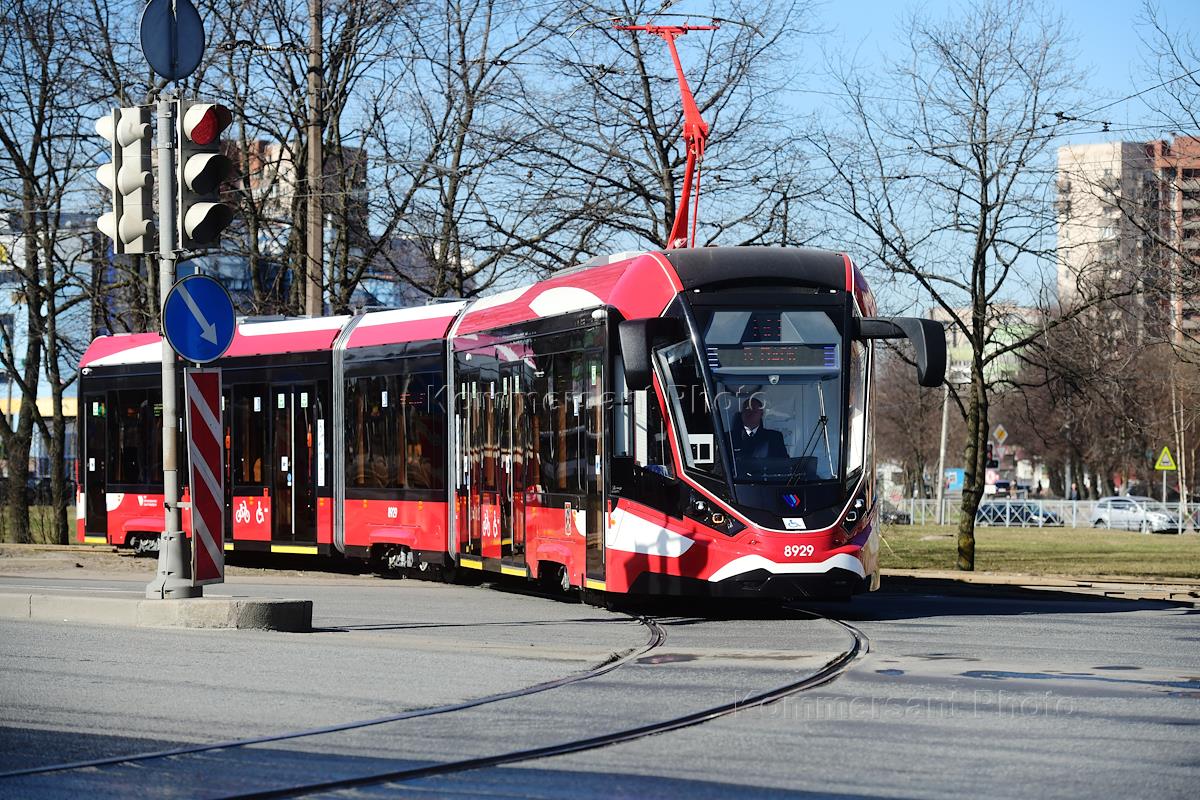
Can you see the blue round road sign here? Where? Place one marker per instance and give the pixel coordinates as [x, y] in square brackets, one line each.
[172, 36]
[198, 319]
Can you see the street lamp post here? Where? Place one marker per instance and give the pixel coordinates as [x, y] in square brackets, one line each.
[941, 473]
[953, 375]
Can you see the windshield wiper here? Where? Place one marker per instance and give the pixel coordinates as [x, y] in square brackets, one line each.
[821, 430]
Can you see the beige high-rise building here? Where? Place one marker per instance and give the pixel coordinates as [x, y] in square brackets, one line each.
[1129, 227]
[1099, 244]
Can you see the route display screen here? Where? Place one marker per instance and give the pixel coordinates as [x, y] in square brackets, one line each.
[774, 355]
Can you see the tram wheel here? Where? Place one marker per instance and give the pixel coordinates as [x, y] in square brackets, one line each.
[554, 577]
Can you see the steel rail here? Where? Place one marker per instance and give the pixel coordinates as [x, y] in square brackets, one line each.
[832, 670]
[655, 640]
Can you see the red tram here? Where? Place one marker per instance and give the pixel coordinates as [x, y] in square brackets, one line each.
[691, 420]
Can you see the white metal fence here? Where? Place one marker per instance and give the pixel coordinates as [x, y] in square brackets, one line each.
[1008, 512]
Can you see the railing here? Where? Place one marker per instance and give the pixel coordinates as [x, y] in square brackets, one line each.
[1008, 512]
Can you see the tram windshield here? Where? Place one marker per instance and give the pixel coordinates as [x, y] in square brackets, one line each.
[777, 383]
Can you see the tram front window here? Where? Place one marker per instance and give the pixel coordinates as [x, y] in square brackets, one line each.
[777, 382]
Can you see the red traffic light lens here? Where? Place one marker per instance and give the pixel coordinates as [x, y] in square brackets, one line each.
[212, 120]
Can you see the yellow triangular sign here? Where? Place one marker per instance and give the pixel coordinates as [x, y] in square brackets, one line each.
[1165, 462]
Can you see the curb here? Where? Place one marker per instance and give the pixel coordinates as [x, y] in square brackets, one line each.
[292, 616]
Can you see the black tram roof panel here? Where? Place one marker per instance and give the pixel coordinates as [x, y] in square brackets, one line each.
[740, 266]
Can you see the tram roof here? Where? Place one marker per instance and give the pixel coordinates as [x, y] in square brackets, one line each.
[275, 337]
[394, 326]
[638, 284]
[642, 284]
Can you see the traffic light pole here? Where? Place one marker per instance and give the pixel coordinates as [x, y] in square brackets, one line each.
[174, 579]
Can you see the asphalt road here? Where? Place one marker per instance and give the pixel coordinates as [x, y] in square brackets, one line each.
[960, 696]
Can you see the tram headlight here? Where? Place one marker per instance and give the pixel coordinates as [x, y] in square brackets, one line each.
[708, 514]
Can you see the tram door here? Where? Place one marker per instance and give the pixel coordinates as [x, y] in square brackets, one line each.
[470, 440]
[592, 464]
[489, 497]
[94, 465]
[295, 411]
[513, 444]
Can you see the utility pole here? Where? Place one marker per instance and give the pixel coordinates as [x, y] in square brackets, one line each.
[941, 473]
[313, 305]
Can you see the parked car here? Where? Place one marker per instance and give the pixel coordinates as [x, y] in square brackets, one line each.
[890, 515]
[1134, 513]
[1016, 514]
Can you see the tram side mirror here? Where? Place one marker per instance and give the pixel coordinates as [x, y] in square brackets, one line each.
[638, 338]
[927, 336]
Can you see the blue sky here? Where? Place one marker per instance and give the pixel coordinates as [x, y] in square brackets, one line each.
[1105, 34]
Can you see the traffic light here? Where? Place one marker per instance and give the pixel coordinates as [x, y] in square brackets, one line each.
[129, 180]
[992, 462]
[200, 170]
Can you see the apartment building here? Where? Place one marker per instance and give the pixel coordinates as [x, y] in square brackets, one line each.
[1129, 228]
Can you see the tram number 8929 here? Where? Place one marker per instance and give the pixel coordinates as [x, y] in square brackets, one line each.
[797, 550]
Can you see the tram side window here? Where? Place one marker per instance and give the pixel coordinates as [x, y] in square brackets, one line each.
[561, 422]
[688, 397]
[658, 447]
[134, 437]
[249, 435]
[639, 433]
[371, 453]
[425, 439]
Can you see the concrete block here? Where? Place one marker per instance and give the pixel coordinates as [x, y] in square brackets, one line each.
[276, 615]
[227, 612]
[195, 612]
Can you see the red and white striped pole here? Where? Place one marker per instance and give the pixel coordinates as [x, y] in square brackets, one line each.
[206, 458]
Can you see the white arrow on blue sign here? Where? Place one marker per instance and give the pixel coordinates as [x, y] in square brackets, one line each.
[198, 319]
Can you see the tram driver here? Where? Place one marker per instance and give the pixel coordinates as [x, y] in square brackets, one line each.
[749, 439]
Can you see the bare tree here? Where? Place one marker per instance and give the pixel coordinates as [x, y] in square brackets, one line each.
[112, 71]
[447, 139]
[1171, 57]
[40, 158]
[908, 421]
[941, 166]
[612, 107]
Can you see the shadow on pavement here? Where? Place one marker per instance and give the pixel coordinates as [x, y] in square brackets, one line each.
[900, 598]
[237, 771]
[921, 598]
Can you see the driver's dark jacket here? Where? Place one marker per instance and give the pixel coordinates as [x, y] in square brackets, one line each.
[765, 443]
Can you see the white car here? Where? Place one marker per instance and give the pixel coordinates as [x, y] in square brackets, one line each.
[1135, 513]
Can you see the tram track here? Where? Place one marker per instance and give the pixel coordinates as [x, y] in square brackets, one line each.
[829, 672]
[657, 636]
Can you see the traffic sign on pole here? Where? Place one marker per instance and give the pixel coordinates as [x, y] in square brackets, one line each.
[1165, 461]
[198, 319]
[206, 458]
[1000, 434]
[172, 36]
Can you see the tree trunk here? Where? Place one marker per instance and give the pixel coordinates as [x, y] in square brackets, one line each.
[20, 440]
[58, 425]
[976, 458]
